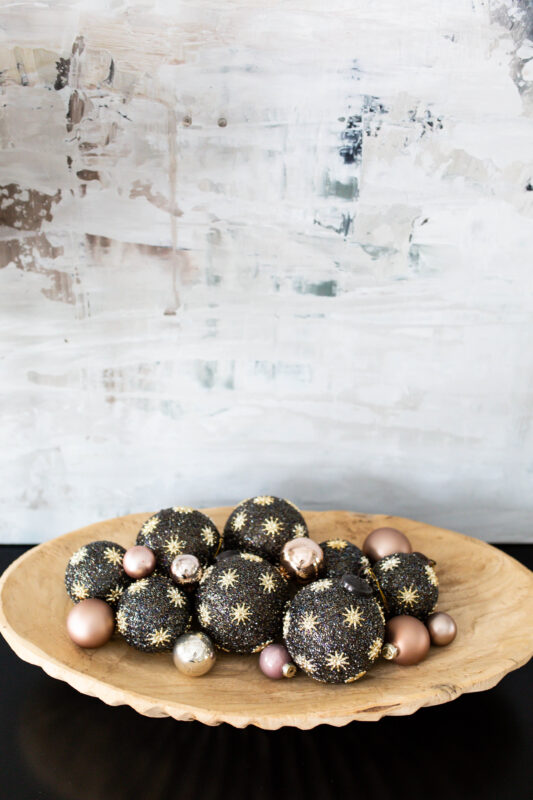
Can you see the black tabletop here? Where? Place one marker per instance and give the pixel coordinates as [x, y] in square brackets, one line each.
[56, 743]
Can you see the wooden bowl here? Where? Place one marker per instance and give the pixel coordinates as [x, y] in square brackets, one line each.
[489, 594]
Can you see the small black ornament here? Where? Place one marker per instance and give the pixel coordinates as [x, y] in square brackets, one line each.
[357, 586]
[240, 601]
[342, 557]
[226, 554]
[152, 613]
[174, 531]
[262, 525]
[95, 570]
[331, 633]
[409, 584]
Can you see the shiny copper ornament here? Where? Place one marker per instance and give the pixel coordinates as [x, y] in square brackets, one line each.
[302, 558]
[139, 561]
[90, 623]
[186, 571]
[442, 628]
[194, 654]
[407, 640]
[384, 542]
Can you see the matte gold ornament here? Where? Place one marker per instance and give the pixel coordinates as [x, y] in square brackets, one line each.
[186, 571]
[384, 542]
[407, 640]
[194, 654]
[91, 623]
[303, 559]
[442, 628]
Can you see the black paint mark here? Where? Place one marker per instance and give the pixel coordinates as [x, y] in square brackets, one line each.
[322, 289]
[111, 73]
[22, 72]
[63, 69]
[365, 123]
[343, 228]
[426, 120]
[529, 187]
[69, 162]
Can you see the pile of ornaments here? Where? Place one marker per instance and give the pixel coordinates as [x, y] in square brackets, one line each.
[264, 587]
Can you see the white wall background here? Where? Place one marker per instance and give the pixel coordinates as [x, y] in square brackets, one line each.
[328, 298]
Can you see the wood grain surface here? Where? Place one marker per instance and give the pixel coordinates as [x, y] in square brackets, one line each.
[489, 594]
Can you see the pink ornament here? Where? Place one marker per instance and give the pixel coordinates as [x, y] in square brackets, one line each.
[275, 662]
[139, 561]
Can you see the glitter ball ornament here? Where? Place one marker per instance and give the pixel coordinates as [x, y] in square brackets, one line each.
[240, 601]
[342, 557]
[174, 531]
[95, 570]
[152, 613]
[262, 525]
[409, 583]
[334, 634]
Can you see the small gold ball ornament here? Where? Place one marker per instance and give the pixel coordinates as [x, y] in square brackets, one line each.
[194, 654]
[303, 559]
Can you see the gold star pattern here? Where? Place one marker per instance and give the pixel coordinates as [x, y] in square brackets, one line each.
[239, 521]
[381, 614]
[240, 613]
[79, 590]
[305, 663]
[159, 637]
[263, 500]
[121, 620]
[138, 586]
[286, 624]
[389, 563]
[207, 573]
[251, 557]
[204, 615]
[174, 546]
[150, 525]
[431, 575]
[353, 617]
[228, 579]
[308, 622]
[267, 582]
[272, 526]
[355, 677]
[337, 661]
[364, 561]
[114, 594]
[182, 509]
[408, 596]
[78, 556]
[208, 535]
[320, 586]
[176, 597]
[337, 544]
[113, 555]
[298, 530]
[375, 649]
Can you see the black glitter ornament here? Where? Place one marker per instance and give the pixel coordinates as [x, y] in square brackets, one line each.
[342, 557]
[152, 613]
[174, 531]
[95, 570]
[240, 601]
[409, 583]
[333, 633]
[262, 525]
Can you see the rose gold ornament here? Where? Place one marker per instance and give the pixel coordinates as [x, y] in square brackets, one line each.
[407, 640]
[186, 571]
[384, 542]
[302, 558]
[90, 623]
[139, 561]
[442, 628]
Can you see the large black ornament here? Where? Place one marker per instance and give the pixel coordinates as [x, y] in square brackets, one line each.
[262, 525]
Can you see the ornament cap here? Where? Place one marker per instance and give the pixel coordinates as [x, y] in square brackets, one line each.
[357, 585]
[389, 651]
[289, 670]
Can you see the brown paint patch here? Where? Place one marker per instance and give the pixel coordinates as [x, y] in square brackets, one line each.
[144, 189]
[25, 209]
[27, 253]
[76, 107]
[88, 175]
[63, 69]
